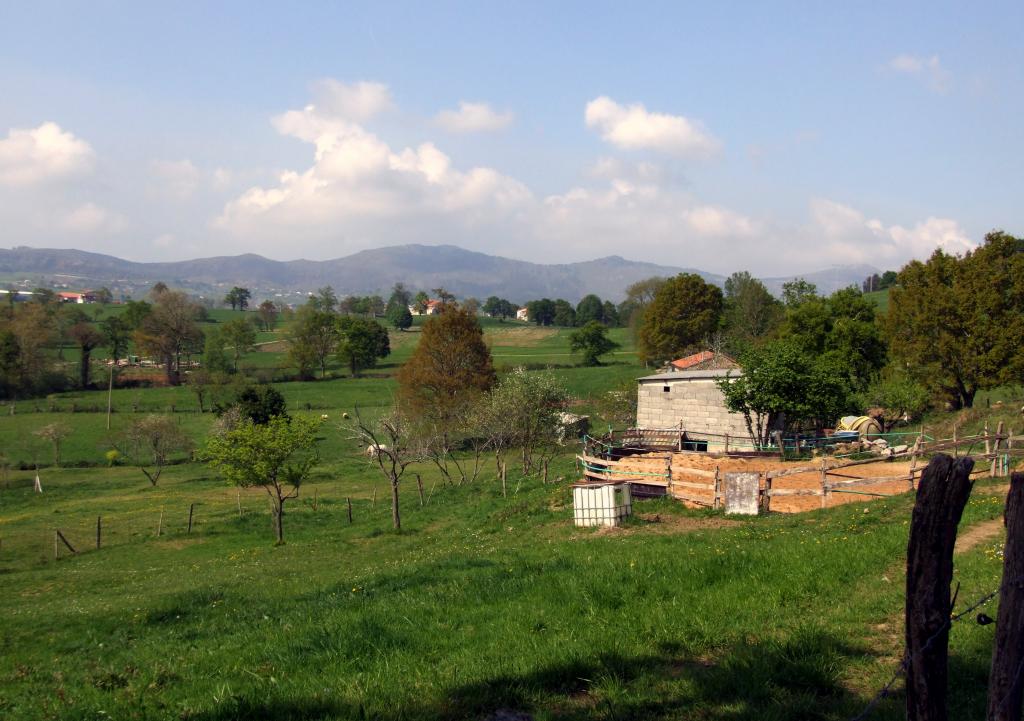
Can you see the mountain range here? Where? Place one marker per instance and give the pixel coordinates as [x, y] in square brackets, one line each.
[463, 272]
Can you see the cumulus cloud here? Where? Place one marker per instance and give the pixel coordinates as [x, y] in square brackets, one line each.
[848, 236]
[358, 101]
[360, 190]
[929, 69]
[30, 156]
[633, 127]
[473, 118]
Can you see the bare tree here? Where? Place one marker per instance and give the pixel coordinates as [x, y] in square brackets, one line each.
[55, 433]
[390, 444]
[151, 441]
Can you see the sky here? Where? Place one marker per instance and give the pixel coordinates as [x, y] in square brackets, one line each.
[772, 137]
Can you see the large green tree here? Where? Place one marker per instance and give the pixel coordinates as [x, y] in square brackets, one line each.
[277, 456]
[958, 322]
[684, 312]
[362, 342]
[588, 309]
[782, 386]
[238, 298]
[751, 312]
[240, 336]
[592, 341]
[313, 338]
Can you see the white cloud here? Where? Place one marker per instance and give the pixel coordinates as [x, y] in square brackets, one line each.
[848, 236]
[358, 101]
[473, 118]
[634, 128]
[179, 178]
[29, 156]
[930, 69]
[90, 218]
[361, 191]
[713, 221]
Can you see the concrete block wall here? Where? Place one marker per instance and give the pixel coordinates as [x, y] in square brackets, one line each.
[698, 403]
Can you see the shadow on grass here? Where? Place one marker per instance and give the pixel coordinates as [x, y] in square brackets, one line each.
[796, 679]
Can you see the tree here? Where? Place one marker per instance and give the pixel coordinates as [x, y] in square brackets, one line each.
[277, 456]
[593, 341]
[240, 336]
[541, 312]
[135, 311]
[87, 338]
[261, 404]
[400, 294]
[392, 447]
[361, 343]
[54, 433]
[798, 291]
[268, 313]
[565, 314]
[590, 308]
[420, 302]
[958, 322]
[397, 311]
[638, 296]
[170, 330]
[104, 296]
[151, 441]
[609, 314]
[325, 300]
[781, 387]
[895, 397]
[684, 311]
[443, 295]
[751, 312]
[522, 411]
[238, 298]
[215, 355]
[449, 368]
[116, 335]
[313, 337]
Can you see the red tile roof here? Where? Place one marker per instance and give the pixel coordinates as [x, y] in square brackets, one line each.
[703, 361]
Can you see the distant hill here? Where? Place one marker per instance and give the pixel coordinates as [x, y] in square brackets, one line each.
[463, 272]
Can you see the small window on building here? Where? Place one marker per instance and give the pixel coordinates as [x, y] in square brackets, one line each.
[666, 389]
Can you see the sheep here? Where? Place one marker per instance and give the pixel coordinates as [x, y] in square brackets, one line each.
[374, 451]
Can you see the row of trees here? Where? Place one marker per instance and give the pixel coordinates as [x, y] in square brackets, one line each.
[319, 333]
[560, 312]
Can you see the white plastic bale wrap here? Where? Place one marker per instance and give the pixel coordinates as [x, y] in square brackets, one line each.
[601, 504]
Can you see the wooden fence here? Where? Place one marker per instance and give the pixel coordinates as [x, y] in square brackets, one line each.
[666, 473]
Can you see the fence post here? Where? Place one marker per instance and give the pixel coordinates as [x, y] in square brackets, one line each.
[191, 508]
[718, 486]
[778, 440]
[825, 494]
[766, 498]
[503, 479]
[419, 487]
[1006, 682]
[995, 451]
[160, 523]
[668, 472]
[99, 531]
[941, 497]
[348, 500]
[913, 458]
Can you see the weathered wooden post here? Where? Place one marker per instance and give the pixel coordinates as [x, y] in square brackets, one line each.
[419, 487]
[913, 458]
[825, 493]
[994, 470]
[191, 508]
[503, 470]
[766, 499]
[160, 523]
[718, 488]
[941, 497]
[348, 500]
[777, 435]
[1006, 680]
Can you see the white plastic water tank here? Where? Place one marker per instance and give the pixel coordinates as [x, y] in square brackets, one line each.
[601, 504]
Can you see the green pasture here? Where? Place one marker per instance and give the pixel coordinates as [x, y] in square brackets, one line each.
[482, 603]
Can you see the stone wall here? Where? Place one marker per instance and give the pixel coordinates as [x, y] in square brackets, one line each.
[698, 403]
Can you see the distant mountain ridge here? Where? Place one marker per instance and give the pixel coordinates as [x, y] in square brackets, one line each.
[463, 272]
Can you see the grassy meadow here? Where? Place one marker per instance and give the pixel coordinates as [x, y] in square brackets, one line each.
[482, 607]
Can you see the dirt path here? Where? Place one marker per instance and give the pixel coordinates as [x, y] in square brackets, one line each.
[978, 534]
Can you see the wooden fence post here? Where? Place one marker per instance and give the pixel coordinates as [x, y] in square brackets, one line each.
[825, 493]
[238, 498]
[913, 458]
[99, 531]
[348, 500]
[766, 498]
[503, 469]
[668, 472]
[419, 487]
[545, 479]
[1006, 680]
[191, 508]
[718, 487]
[160, 523]
[993, 471]
[941, 497]
[778, 440]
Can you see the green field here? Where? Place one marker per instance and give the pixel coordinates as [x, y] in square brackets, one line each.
[482, 604]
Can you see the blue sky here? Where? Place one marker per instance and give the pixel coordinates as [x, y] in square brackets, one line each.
[769, 137]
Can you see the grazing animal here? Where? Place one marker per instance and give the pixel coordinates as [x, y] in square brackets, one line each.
[374, 451]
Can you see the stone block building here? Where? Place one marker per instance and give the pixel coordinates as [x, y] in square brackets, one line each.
[693, 399]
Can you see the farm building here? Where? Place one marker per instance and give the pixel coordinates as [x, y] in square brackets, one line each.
[690, 400]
